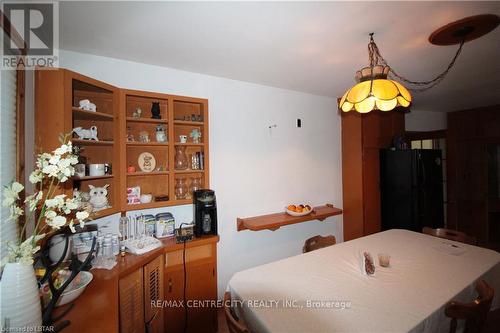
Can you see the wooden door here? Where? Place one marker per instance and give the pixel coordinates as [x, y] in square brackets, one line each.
[153, 292]
[132, 303]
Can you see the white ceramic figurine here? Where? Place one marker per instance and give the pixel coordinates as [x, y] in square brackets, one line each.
[87, 105]
[86, 134]
[99, 197]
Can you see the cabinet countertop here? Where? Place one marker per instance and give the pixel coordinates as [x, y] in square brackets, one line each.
[97, 310]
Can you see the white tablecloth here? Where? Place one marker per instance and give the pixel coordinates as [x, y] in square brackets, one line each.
[409, 296]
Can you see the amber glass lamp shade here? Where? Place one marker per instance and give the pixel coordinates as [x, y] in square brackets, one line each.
[374, 92]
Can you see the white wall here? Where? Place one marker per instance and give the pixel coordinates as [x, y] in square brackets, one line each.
[425, 121]
[253, 170]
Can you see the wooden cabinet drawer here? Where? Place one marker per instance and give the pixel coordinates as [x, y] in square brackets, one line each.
[192, 254]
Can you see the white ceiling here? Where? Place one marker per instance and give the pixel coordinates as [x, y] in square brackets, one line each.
[313, 47]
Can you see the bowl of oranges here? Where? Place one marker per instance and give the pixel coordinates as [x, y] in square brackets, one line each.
[298, 210]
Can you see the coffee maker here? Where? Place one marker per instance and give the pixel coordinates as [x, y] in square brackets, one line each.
[205, 213]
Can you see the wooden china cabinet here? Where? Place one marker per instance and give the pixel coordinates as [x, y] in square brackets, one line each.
[174, 113]
[57, 94]
[119, 300]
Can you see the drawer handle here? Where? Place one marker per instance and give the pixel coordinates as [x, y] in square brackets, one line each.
[170, 285]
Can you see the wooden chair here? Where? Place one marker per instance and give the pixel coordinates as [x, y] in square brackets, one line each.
[450, 234]
[492, 322]
[233, 322]
[318, 242]
[474, 313]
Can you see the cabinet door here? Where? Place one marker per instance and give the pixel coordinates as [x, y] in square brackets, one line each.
[371, 191]
[201, 286]
[174, 289]
[153, 291]
[201, 289]
[132, 303]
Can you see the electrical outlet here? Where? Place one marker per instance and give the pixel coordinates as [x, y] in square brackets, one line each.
[299, 122]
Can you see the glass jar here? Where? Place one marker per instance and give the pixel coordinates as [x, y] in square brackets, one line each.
[181, 160]
[181, 189]
[115, 245]
[195, 185]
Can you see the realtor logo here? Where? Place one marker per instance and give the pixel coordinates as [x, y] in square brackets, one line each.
[31, 35]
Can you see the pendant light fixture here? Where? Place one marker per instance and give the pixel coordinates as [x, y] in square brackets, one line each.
[374, 91]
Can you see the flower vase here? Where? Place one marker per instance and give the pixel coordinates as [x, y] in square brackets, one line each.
[20, 301]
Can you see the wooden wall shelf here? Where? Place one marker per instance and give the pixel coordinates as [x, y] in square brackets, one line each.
[275, 221]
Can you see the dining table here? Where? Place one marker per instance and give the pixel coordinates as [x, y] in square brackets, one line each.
[327, 290]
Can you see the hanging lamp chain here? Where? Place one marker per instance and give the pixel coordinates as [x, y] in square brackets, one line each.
[375, 58]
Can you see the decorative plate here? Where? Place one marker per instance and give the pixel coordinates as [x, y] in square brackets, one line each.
[147, 162]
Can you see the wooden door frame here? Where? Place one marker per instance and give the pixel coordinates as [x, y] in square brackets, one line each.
[11, 33]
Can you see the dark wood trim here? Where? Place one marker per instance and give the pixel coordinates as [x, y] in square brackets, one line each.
[20, 135]
[20, 119]
[418, 135]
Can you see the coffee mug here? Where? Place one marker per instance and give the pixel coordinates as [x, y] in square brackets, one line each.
[96, 170]
[107, 168]
[80, 170]
[183, 138]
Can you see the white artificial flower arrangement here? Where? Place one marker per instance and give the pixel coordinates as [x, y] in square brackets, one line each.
[56, 210]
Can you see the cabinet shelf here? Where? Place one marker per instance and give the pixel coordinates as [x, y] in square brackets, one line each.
[91, 142]
[102, 213]
[92, 177]
[188, 123]
[190, 144]
[143, 173]
[146, 120]
[79, 114]
[277, 220]
[189, 171]
[147, 144]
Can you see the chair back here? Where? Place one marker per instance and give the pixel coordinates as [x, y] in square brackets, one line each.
[233, 322]
[318, 242]
[473, 313]
[450, 234]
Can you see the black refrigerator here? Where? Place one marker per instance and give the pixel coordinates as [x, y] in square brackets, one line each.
[411, 183]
